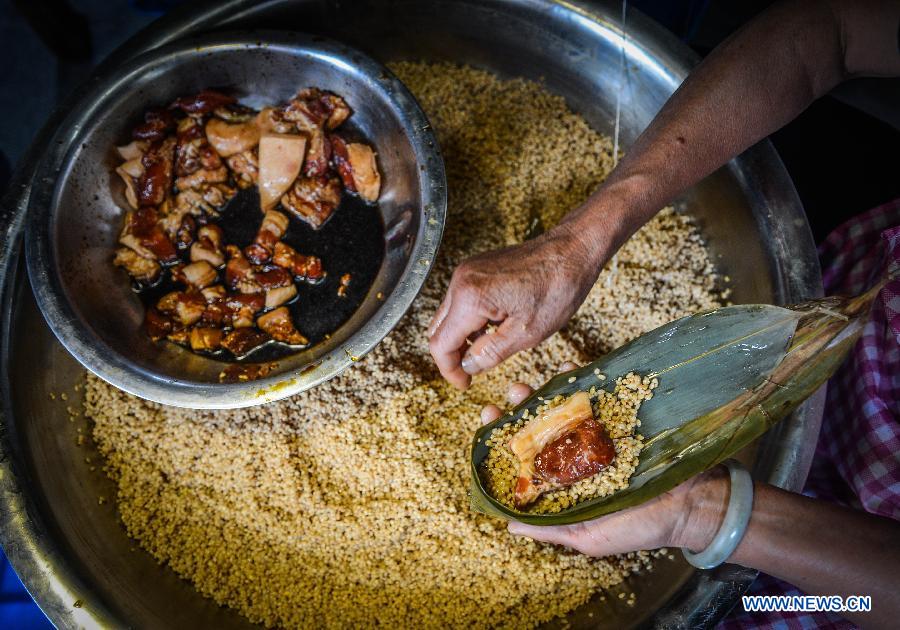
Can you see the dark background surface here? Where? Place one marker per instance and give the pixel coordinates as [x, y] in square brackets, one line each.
[843, 161]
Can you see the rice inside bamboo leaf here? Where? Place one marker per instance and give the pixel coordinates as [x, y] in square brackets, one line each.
[569, 450]
[725, 377]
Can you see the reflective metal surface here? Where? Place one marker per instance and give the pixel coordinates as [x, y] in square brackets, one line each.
[68, 548]
[75, 214]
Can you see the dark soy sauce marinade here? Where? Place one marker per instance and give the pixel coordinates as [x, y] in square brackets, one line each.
[351, 241]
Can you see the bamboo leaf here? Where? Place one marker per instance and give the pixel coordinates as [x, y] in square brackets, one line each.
[726, 376]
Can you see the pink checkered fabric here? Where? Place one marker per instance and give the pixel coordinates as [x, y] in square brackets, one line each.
[857, 460]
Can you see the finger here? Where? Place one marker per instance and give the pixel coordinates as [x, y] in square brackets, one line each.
[568, 366]
[448, 344]
[489, 350]
[439, 315]
[490, 413]
[518, 392]
[555, 534]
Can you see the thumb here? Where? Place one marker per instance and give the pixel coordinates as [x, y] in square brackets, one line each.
[554, 534]
[489, 350]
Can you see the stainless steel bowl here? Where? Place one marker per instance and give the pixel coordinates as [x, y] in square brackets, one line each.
[67, 548]
[76, 213]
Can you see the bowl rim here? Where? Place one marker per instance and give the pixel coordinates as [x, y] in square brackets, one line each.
[115, 368]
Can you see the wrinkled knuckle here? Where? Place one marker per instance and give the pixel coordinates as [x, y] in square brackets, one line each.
[492, 350]
[462, 275]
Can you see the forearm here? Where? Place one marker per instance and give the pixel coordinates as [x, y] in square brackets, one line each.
[819, 547]
[751, 85]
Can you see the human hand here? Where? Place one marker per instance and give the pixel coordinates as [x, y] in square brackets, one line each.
[687, 516]
[530, 290]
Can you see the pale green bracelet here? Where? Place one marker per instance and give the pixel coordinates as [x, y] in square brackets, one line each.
[734, 525]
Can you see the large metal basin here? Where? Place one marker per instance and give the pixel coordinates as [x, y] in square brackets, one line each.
[72, 553]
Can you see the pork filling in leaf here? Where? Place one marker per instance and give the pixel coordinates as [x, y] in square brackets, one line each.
[560, 447]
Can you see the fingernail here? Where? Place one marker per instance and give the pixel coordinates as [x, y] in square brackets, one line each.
[469, 365]
[515, 528]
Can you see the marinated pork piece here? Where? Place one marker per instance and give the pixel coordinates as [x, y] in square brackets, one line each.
[341, 159]
[313, 107]
[206, 339]
[142, 234]
[245, 168]
[157, 124]
[213, 293]
[186, 307]
[239, 274]
[193, 152]
[280, 161]
[184, 235]
[208, 246]
[339, 111]
[303, 267]
[155, 181]
[272, 278]
[365, 171]
[202, 177]
[241, 341]
[271, 120]
[241, 308]
[172, 216]
[203, 102]
[563, 445]
[206, 200]
[215, 315]
[139, 268]
[318, 155]
[130, 172]
[277, 296]
[134, 150]
[273, 227]
[313, 200]
[198, 275]
[232, 138]
[157, 325]
[583, 452]
[181, 336]
[216, 195]
[357, 167]
[278, 325]
[257, 254]
[235, 113]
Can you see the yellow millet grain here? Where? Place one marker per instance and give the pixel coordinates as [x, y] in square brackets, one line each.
[616, 410]
[346, 505]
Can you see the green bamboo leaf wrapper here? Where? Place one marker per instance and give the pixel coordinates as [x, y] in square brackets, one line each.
[725, 377]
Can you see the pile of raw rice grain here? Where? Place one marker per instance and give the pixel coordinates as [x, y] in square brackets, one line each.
[616, 410]
[346, 505]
